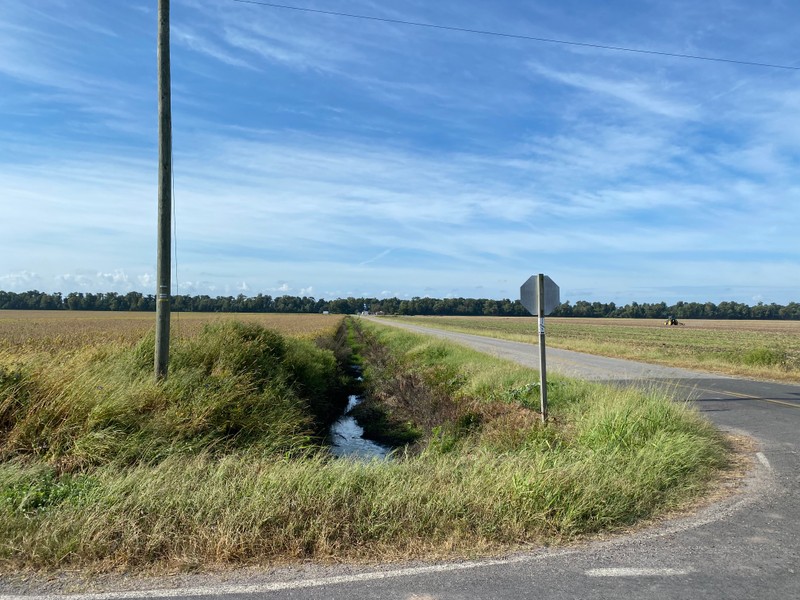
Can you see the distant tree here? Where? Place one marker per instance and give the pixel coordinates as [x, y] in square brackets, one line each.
[136, 301]
[790, 311]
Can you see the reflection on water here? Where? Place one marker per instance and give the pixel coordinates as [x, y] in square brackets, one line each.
[346, 441]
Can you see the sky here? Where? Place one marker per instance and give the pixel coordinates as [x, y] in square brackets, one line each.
[330, 156]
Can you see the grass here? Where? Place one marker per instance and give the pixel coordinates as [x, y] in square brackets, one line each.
[103, 469]
[234, 385]
[760, 349]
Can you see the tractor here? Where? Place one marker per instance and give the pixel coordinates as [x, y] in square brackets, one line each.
[671, 321]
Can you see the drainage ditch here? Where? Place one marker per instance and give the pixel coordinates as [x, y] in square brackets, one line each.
[346, 437]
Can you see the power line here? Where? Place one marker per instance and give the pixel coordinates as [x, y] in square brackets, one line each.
[175, 238]
[522, 37]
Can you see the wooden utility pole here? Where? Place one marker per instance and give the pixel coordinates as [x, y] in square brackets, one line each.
[164, 193]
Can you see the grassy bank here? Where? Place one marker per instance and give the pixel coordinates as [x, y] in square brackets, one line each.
[758, 349]
[104, 469]
[236, 385]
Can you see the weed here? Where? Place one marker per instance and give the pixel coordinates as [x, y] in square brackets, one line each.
[765, 357]
[32, 491]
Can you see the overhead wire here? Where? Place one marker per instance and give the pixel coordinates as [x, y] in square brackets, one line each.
[174, 235]
[522, 37]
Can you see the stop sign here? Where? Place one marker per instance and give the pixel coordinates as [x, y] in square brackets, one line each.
[529, 295]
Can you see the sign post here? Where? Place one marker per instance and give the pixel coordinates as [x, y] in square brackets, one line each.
[540, 295]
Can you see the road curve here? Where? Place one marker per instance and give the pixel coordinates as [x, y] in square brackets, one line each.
[744, 547]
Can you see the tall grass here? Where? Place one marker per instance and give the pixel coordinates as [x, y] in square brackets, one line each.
[236, 385]
[184, 475]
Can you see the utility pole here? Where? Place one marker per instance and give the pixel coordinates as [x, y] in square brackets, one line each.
[164, 193]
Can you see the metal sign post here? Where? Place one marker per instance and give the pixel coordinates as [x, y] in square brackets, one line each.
[540, 295]
[542, 361]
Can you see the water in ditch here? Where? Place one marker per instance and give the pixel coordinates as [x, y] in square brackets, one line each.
[347, 441]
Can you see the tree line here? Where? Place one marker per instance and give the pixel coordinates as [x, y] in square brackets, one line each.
[136, 301]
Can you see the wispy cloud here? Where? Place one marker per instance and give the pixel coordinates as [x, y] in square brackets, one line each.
[635, 94]
[339, 156]
[199, 42]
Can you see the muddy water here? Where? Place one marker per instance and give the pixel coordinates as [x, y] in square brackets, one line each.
[346, 438]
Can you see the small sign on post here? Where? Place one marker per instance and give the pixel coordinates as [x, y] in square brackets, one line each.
[540, 295]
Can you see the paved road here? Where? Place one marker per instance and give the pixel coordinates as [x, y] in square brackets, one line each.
[746, 547]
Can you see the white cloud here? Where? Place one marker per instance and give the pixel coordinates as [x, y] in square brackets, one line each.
[200, 43]
[117, 278]
[20, 281]
[146, 280]
[639, 94]
[74, 282]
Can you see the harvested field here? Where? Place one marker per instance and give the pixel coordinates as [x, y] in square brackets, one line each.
[43, 330]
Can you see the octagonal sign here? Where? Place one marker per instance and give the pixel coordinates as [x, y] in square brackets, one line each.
[529, 295]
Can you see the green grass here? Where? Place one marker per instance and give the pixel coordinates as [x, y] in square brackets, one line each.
[180, 475]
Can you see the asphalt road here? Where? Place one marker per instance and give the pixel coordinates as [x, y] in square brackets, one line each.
[746, 546]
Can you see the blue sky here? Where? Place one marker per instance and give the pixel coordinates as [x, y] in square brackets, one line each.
[328, 156]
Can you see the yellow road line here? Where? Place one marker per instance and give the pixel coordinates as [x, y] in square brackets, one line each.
[781, 402]
[748, 397]
[736, 394]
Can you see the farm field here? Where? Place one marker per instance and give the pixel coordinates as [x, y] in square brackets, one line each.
[46, 330]
[759, 349]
